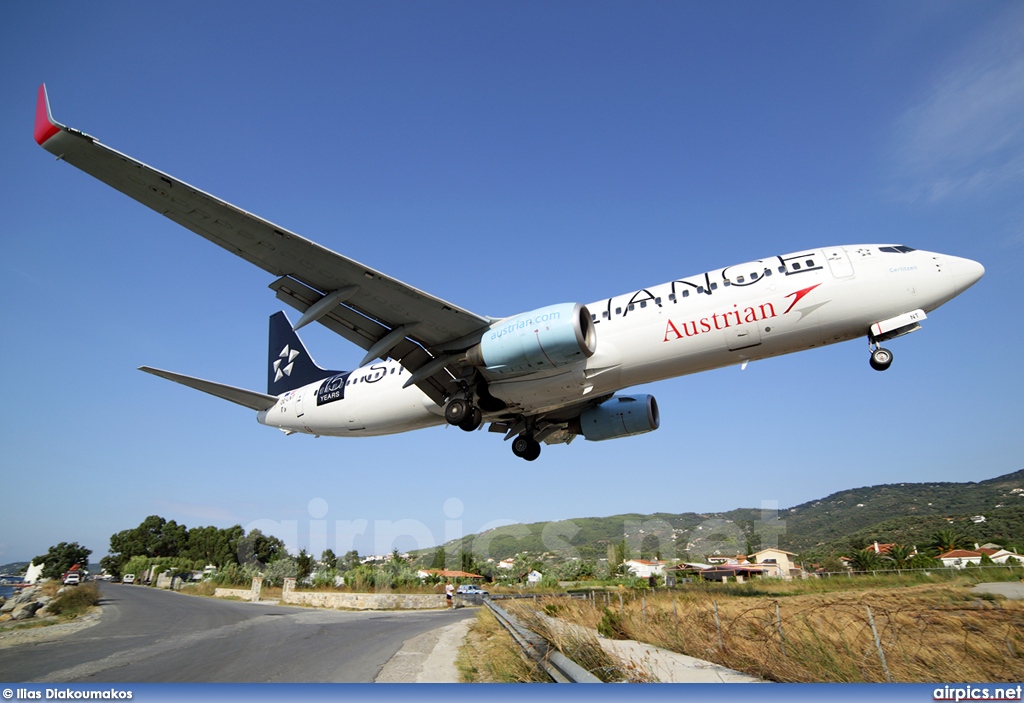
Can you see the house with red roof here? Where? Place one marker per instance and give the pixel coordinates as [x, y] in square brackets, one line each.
[959, 558]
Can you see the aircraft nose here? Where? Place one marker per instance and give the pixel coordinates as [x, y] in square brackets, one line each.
[965, 273]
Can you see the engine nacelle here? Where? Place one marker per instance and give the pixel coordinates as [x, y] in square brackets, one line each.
[619, 416]
[546, 338]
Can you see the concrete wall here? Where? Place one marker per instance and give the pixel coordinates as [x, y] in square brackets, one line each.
[251, 594]
[361, 601]
[349, 601]
[165, 579]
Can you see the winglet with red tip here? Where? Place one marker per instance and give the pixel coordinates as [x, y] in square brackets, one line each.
[45, 126]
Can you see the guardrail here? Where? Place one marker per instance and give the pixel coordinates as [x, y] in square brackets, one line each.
[558, 666]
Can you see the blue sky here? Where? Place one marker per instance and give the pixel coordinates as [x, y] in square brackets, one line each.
[502, 156]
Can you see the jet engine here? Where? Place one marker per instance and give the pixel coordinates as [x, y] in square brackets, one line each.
[546, 338]
[619, 416]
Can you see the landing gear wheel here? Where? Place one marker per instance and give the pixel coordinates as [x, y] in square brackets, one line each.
[881, 359]
[457, 410]
[526, 447]
[473, 419]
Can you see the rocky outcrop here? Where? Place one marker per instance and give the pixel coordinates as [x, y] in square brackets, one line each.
[24, 611]
[23, 605]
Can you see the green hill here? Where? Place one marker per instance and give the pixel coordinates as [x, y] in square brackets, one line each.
[904, 512]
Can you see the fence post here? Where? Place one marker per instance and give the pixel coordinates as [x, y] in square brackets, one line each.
[643, 606]
[878, 643]
[718, 625]
[675, 613]
[778, 623]
[622, 606]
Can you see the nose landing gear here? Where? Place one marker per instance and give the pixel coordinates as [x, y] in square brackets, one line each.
[881, 359]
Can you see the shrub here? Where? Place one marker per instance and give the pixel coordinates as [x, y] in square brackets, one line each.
[136, 565]
[75, 601]
[612, 626]
[277, 571]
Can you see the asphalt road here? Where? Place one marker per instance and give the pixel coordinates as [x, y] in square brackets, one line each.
[148, 635]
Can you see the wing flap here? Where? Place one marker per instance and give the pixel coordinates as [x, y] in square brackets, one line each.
[365, 332]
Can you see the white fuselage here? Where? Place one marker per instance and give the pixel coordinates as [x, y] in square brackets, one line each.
[741, 313]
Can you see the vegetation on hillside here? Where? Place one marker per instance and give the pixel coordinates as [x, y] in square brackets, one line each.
[907, 513]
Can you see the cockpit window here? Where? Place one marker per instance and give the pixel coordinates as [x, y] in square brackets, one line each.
[896, 250]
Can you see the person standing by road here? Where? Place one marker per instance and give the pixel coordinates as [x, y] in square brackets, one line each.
[449, 592]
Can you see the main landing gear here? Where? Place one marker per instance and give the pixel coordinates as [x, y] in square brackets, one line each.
[463, 414]
[881, 359]
[466, 415]
[526, 447]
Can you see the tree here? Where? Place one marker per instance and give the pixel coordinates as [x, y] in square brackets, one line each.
[858, 544]
[60, 558]
[467, 562]
[831, 564]
[303, 564]
[900, 555]
[924, 561]
[212, 545]
[283, 567]
[257, 547]
[865, 560]
[439, 559]
[350, 561]
[154, 537]
[328, 559]
[946, 540]
[619, 555]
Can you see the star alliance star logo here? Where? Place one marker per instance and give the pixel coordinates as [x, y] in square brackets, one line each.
[286, 357]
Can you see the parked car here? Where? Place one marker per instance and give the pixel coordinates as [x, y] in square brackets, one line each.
[128, 578]
[72, 578]
[470, 590]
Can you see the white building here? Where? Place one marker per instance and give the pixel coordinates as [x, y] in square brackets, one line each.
[779, 563]
[645, 569]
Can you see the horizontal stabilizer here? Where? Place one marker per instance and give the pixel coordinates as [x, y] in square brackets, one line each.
[250, 399]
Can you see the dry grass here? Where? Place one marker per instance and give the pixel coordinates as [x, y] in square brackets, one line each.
[490, 655]
[203, 588]
[75, 601]
[927, 632]
[577, 643]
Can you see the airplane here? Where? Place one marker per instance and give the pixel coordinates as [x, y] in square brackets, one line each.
[542, 376]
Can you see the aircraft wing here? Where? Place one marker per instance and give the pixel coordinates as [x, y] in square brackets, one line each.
[366, 307]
